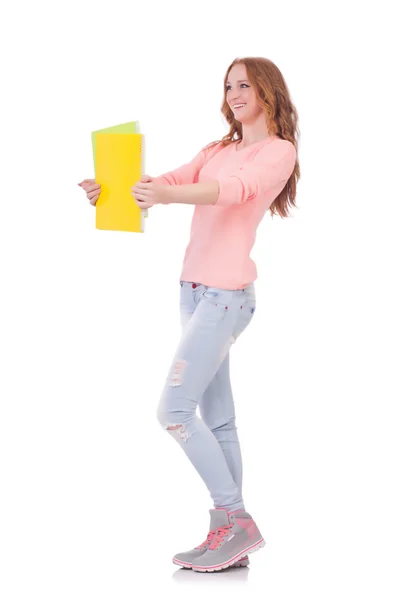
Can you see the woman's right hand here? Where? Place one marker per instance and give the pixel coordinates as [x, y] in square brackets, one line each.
[92, 189]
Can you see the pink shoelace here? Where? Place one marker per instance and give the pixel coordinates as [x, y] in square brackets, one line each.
[209, 539]
[220, 533]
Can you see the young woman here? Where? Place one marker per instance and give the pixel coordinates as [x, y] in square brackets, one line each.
[232, 183]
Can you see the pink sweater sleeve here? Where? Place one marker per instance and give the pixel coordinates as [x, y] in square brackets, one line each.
[266, 170]
[187, 173]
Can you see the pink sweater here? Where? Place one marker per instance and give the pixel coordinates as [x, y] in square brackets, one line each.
[222, 235]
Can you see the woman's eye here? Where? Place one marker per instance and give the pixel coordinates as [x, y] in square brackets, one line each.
[228, 86]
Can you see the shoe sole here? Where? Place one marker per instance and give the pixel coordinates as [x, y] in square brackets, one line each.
[232, 561]
[238, 563]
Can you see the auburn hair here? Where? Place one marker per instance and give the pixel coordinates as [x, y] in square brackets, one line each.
[281, 115]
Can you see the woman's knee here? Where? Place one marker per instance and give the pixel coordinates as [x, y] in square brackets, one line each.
[176, 424]
[227, 424]
[174, 419]
[174, 411]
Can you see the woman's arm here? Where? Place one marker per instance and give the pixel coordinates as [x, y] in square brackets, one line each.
[194, 193]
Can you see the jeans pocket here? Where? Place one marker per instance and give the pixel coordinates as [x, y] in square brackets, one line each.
[247, 310]
[210, 294]
[217, 296]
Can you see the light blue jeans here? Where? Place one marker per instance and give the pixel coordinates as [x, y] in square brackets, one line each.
[212, 319]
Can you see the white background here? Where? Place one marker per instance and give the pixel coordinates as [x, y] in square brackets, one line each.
[96, 498]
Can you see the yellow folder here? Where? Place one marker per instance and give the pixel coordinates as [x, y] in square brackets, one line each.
[130, 127]
[118, 167]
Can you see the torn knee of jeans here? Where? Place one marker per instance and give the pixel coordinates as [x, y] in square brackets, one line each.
[180, 431]
[179, 367]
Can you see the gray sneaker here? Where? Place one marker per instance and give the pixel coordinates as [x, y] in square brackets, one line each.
[236, 538]
[219, 518]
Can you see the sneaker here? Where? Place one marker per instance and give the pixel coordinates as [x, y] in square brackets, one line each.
[237, 537]
[219, 517]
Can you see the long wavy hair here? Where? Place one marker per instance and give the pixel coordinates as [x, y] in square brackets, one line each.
[281, 116]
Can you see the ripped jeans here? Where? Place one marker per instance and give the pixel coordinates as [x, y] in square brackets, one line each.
[212, 319]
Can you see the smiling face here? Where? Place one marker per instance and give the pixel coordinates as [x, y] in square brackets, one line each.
[240, 91]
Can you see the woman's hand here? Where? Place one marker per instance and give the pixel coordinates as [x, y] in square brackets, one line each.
[92, 190]
[147, 193]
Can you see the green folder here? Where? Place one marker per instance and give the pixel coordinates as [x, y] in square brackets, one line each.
[123, 128]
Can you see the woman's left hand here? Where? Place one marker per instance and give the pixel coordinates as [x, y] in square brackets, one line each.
[148, 194]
